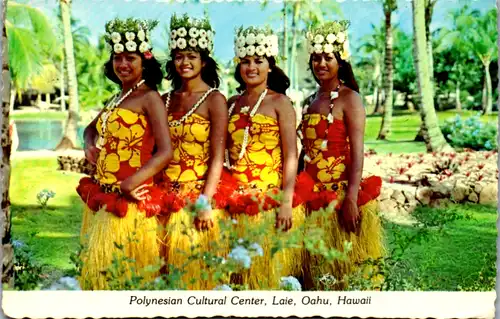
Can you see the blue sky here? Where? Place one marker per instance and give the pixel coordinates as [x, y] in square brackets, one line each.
[227, 15]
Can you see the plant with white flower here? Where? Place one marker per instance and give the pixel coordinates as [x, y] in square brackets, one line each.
[310, 49]
[193, 32]
[203, 43]
[318, 48]
[210, 34]
[181, 32]
[203, 33]
[223, 288]
[241, 257]
[331, 38]
[250, 39]
[260, 38]
[144, 47]
[341, 37]
[250, 50]
[241, 41]
[319, 38]
[328, 48]
[141, 35]
[242, 52]
[118, 48]
[269, 52]
[116, 37]
[181, 43]
[290, 283]
[173, 44]
[130, 36]
[131, 46]
[260, 50]
[173, 34]
[192, 42]
[256, 250]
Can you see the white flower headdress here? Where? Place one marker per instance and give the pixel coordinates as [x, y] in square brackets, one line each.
[255, 41]
[328, 38]
[131, 35]
[190, 33]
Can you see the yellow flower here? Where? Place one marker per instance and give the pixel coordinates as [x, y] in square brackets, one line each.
[311, 133]
[200, 132]
[129, 147]
[107, 164]
[128, 116]
[330, 169]
[113, 145]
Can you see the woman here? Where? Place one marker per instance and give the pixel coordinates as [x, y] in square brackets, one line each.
[262, 155]
[197, 114]
[332, 131]
[120, 221]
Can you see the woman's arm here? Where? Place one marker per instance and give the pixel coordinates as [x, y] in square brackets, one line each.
[218, 132]
[288, 134]
[157, 114]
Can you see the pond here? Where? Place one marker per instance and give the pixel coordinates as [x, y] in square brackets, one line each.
[42, 134]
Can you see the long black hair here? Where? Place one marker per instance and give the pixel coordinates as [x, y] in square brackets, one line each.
[276, 80]
[209, 73]
[151, 72]
[345, 72]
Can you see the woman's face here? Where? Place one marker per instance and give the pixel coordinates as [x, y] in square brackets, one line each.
[325, 66]
[127, 66]
[254, 70]
[188, 64]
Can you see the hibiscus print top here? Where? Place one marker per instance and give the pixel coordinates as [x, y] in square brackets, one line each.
[330, 165]
[128, 145]
[261, 166]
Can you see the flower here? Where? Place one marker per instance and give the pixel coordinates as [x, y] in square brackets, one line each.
[210, 34]
[173, 44]
[241, 240]
[330, 169]
[223, 288]
[181, 43]
[345, 51]
[250, 50]
[203, 43]
[256, 250]
[203, 33]
[309, 36]
[118, 48]
[260, 50]
[341, 36]
[141, 35]
[242, 52]
[193, 32]
[240, 41]
[193, 42]
[331, 38]
[250, 39]
[318, 48]
[318, 38]
[269, 51]
[310, 49]
[173, 34]
[260, 38]
[274, 50]
[129, 36]
[143, 47]
[131, 46]
[116, 37]
[328, 48]
[202, 203]
[290, 283]
[241, 256]
[181, 32]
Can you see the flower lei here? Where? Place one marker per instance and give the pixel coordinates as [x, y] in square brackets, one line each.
[109, 108]
[191, 111]
[328, 38]
[255, 41]
[188, 33]
[324, 144]
[244, 144]
[131, 35]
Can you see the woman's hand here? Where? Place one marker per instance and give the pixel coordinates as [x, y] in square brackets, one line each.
[91, 153]
[284, 217]
[349, 212]
[204, 220]
[138, 193]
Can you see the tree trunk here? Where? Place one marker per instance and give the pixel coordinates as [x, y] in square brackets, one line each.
[47, 99]
[429, 9]
[488, 96]
[385, 128]
[293, 54]
[12, 98]
[458, 103]
[285, 37]
[433, 137]
[7, 249]
[71, 129]
[62, 90]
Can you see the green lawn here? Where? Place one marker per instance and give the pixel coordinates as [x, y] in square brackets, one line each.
[53, 233]
[30, 116]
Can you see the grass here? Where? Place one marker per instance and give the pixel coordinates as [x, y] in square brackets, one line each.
[30, 116]
[53, 233]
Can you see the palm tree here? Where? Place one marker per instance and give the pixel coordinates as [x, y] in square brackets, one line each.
[389, 7]
[8, 251]
[68, 140]
[429, 10]
[433, 137]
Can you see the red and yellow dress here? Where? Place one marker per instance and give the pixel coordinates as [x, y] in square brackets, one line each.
[183, 181]
[259, 173]
[328, 168]
[116, 226]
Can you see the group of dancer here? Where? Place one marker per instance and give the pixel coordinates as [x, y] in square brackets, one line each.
[238, 157]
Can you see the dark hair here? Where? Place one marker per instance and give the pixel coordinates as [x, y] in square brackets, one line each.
[276, 80]
[151, 73]
[209, 73]
[345, 72]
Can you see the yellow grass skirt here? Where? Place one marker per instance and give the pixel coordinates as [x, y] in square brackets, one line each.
[135, 233]
[265, 272]
[366, 243]
[87, 218]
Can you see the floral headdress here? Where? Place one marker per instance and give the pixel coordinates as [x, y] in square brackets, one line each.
[190, 33]
[255, 41]
[328, 38]
[131, 35]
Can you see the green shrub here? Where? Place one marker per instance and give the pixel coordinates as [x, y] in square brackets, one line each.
[470, 133]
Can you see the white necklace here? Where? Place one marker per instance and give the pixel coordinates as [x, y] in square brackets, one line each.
[109, 108]
[191, 111]
[244, 144]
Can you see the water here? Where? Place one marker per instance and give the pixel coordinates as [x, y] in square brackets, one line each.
[42, 134]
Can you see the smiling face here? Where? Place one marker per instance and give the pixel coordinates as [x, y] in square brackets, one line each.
[325, 66]
[127, 66]
[188, 64]
[254, 70]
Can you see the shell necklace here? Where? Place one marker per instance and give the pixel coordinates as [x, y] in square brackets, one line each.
[244, 144]
[109, 108]
[324, 144]
[191, 111]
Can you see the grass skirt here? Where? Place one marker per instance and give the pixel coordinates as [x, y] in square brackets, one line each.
[266, 271]
[135, 234]
[366, 243]
[87, 218]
